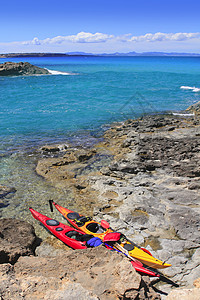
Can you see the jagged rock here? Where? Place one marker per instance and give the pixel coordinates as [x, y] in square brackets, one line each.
[49, 149]
[17, 238]
[95, 273]
[21, 68]
[194, 108]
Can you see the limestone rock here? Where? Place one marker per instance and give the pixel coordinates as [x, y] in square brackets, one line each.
[196, 283]
[184, 294]
[95, 273]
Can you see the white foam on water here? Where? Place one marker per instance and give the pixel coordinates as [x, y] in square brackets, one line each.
[192, 88]
[182, 114]
[196, 90]
[53, 72]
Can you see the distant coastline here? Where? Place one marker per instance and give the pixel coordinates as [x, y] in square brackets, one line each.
[69, 54]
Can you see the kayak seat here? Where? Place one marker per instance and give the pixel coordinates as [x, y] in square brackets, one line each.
[73, 216]
[95, 228]
[73, 235]
[52, 222]
[78, 236]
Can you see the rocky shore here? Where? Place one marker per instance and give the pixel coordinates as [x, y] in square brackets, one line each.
[144, 178]
[21, 68]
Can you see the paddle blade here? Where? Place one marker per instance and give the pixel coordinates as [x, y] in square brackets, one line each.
[105, 224]
[112, 237]
[136, 263]
[138, 266]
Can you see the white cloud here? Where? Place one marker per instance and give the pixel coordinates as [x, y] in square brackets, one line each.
[81, 37]
[87, 37]
[102, 42]
[159, 37]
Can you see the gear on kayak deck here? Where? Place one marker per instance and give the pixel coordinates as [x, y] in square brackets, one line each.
[92, 227]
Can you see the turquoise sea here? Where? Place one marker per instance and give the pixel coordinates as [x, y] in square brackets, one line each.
[79, 100]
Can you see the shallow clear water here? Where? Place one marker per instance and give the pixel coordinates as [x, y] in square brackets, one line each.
[35, 110]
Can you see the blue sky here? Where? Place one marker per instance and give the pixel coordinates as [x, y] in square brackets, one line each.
[99, 26]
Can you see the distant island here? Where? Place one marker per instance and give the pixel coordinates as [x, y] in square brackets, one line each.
[12, 55]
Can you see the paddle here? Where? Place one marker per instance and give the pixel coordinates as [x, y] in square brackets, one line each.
[120, 249]
[106, 225]
[165, 279]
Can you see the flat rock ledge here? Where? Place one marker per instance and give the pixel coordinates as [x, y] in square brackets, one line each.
[21, 68]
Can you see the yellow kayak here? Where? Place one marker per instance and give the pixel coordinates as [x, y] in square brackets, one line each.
[89, 226]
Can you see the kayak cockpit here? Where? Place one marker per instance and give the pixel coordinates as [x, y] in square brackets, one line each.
[95, 228]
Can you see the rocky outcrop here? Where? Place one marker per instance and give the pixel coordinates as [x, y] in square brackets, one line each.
[17, 238]
[6, 55]
[95, 273]
[195, 108]
[21, 68]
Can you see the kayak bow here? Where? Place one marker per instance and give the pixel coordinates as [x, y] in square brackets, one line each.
[68, 235]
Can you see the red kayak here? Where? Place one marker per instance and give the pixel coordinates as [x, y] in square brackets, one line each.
[76, 239]
[68, 235]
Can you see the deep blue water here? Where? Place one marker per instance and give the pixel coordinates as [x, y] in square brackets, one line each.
[97, 91]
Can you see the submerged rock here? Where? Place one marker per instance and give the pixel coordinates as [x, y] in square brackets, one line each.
[21, 68]
[5, 190]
